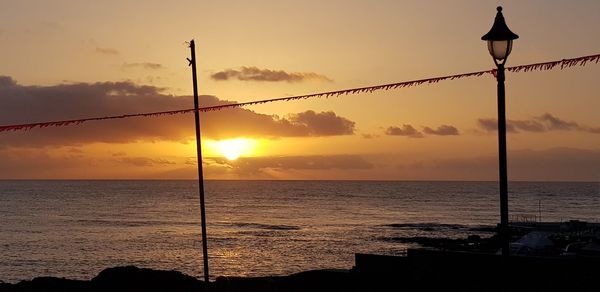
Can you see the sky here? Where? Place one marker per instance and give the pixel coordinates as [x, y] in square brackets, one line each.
[68, 59]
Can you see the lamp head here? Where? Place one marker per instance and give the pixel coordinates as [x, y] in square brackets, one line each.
[499, 37]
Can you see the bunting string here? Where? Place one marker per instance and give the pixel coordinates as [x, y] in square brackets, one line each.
[561, 64]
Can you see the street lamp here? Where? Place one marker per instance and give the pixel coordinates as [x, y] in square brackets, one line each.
[499, 40]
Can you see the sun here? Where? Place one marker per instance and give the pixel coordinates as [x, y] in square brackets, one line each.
[232, 149]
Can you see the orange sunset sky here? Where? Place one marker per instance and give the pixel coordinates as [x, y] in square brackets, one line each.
[72, 59]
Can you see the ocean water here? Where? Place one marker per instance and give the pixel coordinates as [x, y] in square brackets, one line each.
[75, 229]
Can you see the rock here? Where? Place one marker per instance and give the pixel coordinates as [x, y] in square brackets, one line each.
[138, 279]
[47, 284]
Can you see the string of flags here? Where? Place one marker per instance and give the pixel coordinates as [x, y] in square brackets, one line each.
[544, 66]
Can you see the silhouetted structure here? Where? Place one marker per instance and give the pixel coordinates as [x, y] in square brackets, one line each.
[499, 40]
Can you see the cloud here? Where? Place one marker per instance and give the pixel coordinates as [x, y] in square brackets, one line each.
[406, 130]
[61, 163]
[544, 123]
[491, 125]
[562, 164]
[524, 125]
[369, 136]
[145, 65]
[297, 162]
[75, 150]
[43, 163]
[554, 123]
[488, 124]
[144, 161]
[324, 123]
[26, 104]
[409, 131]
[558, 164]
[256, 74]
[270, 167]
[26, 163]
[443, 130]
[107, 51]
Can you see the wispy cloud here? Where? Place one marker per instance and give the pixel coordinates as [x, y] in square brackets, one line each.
[554, 123]
[107, 51]
[273, 167]
[144, 161]
[145, 65]
[544, 123]
[251, 164]
[257, 74]
[369, 136]
[565, 164]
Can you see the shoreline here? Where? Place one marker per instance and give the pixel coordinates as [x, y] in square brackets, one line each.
[438, 258]
[420, 269]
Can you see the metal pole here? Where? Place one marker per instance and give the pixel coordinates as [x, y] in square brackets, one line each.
[199, 157]
[504, 229]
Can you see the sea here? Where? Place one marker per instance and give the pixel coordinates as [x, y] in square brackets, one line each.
[77, 228]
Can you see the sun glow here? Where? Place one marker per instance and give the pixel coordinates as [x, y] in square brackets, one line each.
[232, 149]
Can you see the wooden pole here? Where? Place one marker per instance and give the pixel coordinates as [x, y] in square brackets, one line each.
[199, 157]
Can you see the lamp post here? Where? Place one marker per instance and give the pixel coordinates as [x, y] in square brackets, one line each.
[499, 40]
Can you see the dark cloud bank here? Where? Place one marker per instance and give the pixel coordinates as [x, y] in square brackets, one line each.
[26, 104]
[560, 164]
[544, 123]
[256, 74]
[247, 166]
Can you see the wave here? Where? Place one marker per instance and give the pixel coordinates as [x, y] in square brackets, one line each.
[132, 223]
[139, 222]
[439, 226]
[261, 226]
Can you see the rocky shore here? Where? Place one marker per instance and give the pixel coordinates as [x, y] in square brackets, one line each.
[564, 259]
[420, 270]
[131, 278]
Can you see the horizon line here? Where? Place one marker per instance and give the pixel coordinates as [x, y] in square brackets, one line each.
[292, 180]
